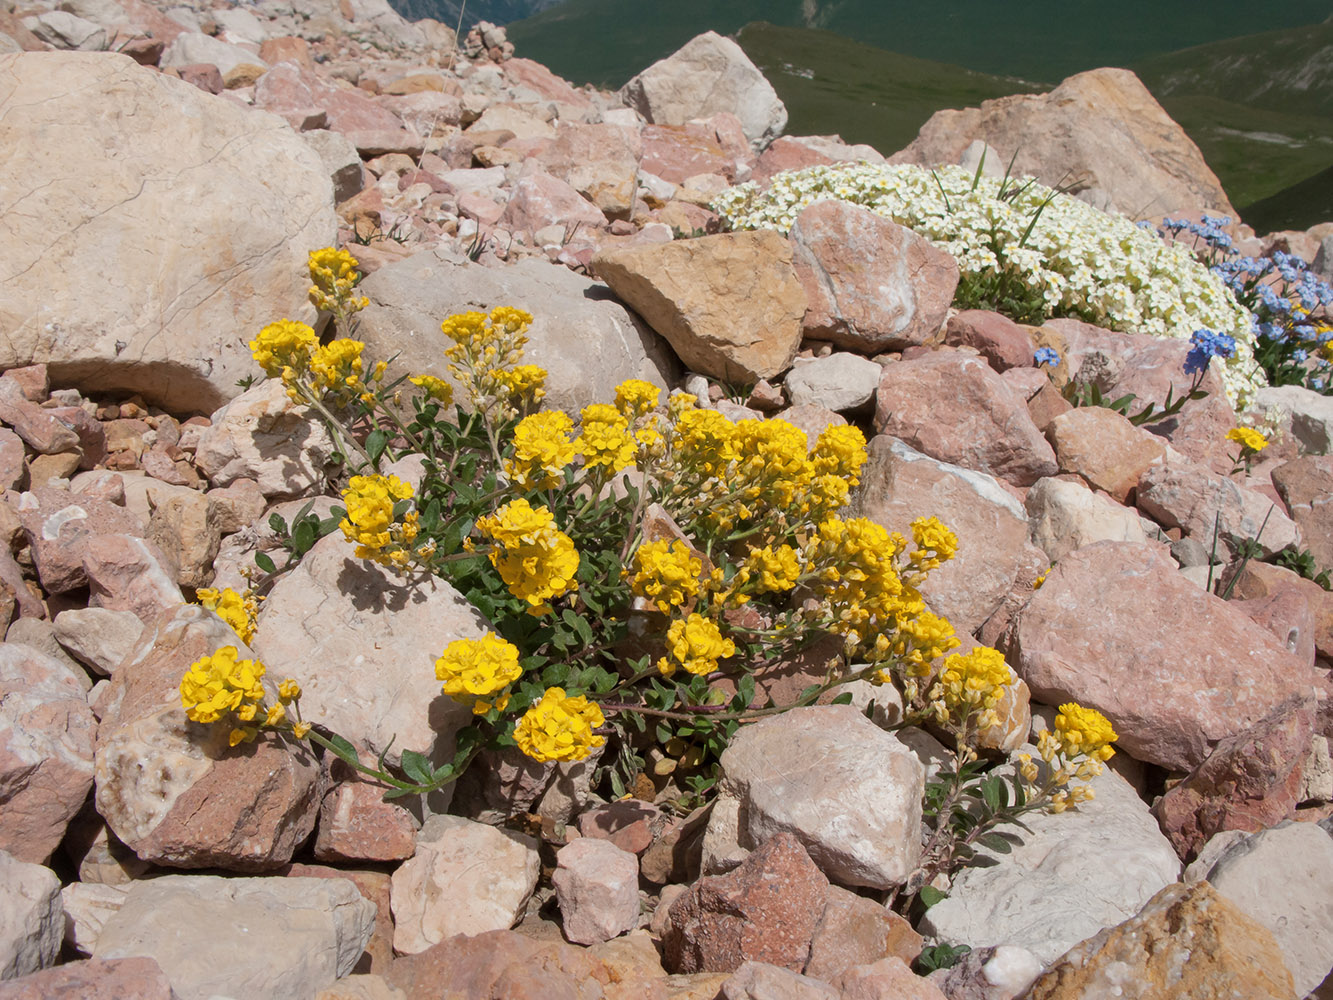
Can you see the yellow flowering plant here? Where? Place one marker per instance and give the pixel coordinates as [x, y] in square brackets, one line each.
[641, 563]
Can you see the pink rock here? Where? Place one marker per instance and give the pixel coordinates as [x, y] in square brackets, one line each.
[540, 200]
[356, 824]
[857, 931]
[957, 409]
[46, 751]
[1260, 580]
[1174, 668]
[1288, 615]
[994, 555]
[92, 438]
[1104, 449]
[380, 141]
[44, 433]
[677, 152]
[13, 465]
[474, 205]
[497, 964]
[1306, 487]
[764, 911]
[60, 525]
[94, 979]
[600, 162]
[287, 48]
[787, 153]
[1190, 497]
[1250, 781]
[205, 76]
[288, 87]
[128, 573]
[535, 76]
[873, 285]
[630, 824]
[1001, 341]
[424, 112]
[761, 981]
[887, 979]
[34, 380]
[500, 784]
[597, 886]
[1148, 367]
[173, 790]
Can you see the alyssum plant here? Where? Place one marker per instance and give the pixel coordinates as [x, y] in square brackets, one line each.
[629, 562]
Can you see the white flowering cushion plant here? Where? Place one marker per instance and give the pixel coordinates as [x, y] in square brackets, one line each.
[1055, 254]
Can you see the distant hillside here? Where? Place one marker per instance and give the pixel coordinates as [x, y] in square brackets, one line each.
[1296, 207]
[1289, 71]
[832, 85]
[608, 41]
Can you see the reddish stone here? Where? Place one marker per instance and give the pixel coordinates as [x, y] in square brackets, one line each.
[288, 87]
[1103, 448]
[34, 380]
[535, 76]
[955, 408]
[540, 200]
[205, 76]
[92, 438]
[356, 824]
[60, 524]
[1001, 341]
[1260, 580]
[1306, 487]
[857, 931]
[873, 285]
[1250, 781]
[1288, 615]
[498, 964]
[764, 911]
[427, 112]
[1175, 669]
[43, 432]
[94, 979]
[676, 152]
[786, 153]
[287, 48]
[630, 824]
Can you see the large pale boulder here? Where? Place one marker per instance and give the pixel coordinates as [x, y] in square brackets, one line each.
[363, 643]
[708, 74]
[899, 485]
[1072, 875]
[731, 304]
[1175, 669]
[1308, 415]
[46, 750]
[283, 938]
[1099, 133]
[1199, 502]
[588, 342]
[601, 162]
[165, 228]
[1064, 516]
[174, 791]
[847, 789]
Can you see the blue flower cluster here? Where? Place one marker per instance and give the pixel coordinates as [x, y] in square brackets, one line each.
[1292, 307]
[1206, 345]
[1046, 356]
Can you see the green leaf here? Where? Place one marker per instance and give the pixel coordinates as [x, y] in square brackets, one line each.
[843, 699]
[992, 792]
[745, 688]
[303, 537]
[265, 562]
[929, 896]
[417, 766]
[279, 526]
[376, 441]
[399, 793]
[343, 748]
[997, 842]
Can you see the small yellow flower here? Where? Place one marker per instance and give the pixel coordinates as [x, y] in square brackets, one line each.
[435, 388]
[636, 398]
[300, 729]
[696, 643]
[542, 450]
[559, 727]
[289, 691]
[277, 714]
[604, 438]
[220, 683]
[1084, 731]
[535, 559]
[237, 610]
[666, 573]
[1248, 438]
[473, 670]
[284, 348]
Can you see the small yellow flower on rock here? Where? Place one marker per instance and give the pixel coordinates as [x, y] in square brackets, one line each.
[1248, 438]
[973, 684]
[535, 559]
[220, 683]
[1084, 731]
[436, 388]
[559, 727]
[635, 398]
[542, 450]
[605, 440]
[237, 610]
[475, 670]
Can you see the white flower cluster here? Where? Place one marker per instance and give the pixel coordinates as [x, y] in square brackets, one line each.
[1087, 264]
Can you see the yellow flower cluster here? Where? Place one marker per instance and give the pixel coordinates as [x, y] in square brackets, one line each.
[916, 641]
[559, 728]
[1084, 731]
[283, 349]
[1077, 749]
[969, 688]
[535, 559]
[666, 574]
[605, 441]
[222, 683]
[436, 388]
[935, 544]
[695, 643]
[636, 398]
[371, 524]
[240, 611]
[542, 450]
[335, 275]
[775, 569]
[336, 367]
[1248, 438]
[484, 359]
[476, 672]
[855, 571]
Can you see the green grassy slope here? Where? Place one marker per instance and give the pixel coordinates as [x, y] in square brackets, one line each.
[608, 41]
[864, 94]
[1295, 207]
